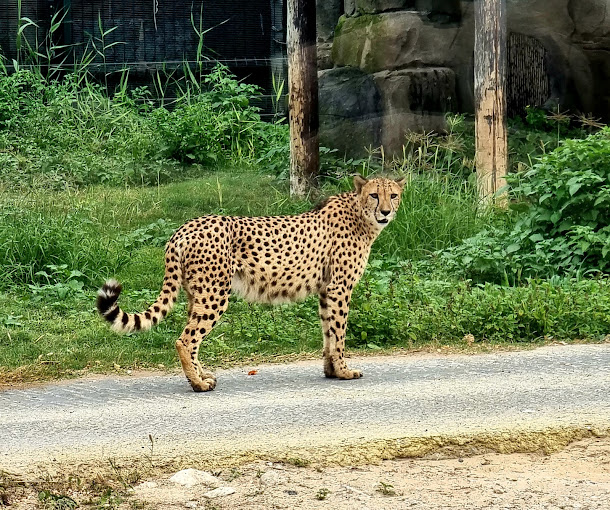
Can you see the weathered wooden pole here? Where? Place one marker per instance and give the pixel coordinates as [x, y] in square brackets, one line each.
[490, 66]
[302, 95]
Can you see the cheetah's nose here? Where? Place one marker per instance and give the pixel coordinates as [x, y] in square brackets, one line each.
[385, 213]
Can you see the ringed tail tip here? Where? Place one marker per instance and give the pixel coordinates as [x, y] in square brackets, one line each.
[107, 297]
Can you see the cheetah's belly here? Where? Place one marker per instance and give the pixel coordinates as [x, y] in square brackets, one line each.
[258, 287]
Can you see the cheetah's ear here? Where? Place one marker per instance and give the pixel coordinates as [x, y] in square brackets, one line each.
[359, 181]
[401, 181]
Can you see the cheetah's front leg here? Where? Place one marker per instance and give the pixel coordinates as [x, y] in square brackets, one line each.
[334, 307]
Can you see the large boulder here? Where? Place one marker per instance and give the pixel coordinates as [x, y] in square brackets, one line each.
[350, 110]
[591, 21]
[549, 22]
[437, 9]
[327, 15]
[592, 33]
[413, 100]
[414, 62]
[440, 10]
[392, 40]
[577, 77]
[377, 6]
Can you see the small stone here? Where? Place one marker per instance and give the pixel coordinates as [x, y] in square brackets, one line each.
[272, 477]
[190, 504]
[190, 477]
[219, 492]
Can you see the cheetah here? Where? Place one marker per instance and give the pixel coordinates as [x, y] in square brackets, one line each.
[276, 259]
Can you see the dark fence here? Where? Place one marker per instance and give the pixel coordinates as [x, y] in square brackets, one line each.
[528, 78]
[148, 35]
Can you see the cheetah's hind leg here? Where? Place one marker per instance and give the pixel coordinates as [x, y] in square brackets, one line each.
[198, 378]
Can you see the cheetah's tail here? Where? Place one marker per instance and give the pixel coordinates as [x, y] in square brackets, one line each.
[124, 322]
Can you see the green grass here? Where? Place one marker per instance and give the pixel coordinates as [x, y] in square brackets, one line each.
[49, 327]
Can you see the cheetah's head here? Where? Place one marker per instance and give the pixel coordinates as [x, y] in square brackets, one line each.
[379, 198]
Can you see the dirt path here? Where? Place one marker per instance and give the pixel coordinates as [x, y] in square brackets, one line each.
[576, 478]
[404, 406]
[102, 438]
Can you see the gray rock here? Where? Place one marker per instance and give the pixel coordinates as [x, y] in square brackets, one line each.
[325, 56]
[413, 100]
[349, 7]
[591, 21]
[220, 492]
[377, 6]
[376, 36]
[443, 11]
[327, 15]
[394, 40]
[350, 110]
[358, 111]
[191, 477]
[592, 33]
[272, 477]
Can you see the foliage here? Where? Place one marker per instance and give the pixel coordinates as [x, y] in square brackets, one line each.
[38, 248]
[216, 124]
[399, 305]
[56, 501]
[70, 132]
[153, 234]
[560, 223]
[66, 133]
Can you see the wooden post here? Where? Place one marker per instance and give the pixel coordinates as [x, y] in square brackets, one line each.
[490, 63]
[302, 95]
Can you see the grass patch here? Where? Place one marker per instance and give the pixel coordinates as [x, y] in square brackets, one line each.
[56, 254]
[49, 327]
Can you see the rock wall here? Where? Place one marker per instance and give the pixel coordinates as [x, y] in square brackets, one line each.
[416, 58]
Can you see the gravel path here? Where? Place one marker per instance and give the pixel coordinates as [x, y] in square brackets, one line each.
[285, 408]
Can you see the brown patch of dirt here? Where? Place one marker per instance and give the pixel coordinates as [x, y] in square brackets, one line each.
[576, 477]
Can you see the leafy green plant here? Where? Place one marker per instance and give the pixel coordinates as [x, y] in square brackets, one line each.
[322, 494]
[61, 284]
[298, 461]
[215, 125]
[153, 234]
[387, 489]
[56, 501]
[560, 223]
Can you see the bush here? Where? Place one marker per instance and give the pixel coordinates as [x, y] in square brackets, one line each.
[399, 306]
[561, 223]
[70, 132]
[216, 125]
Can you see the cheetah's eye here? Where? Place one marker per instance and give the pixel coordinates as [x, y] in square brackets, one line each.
[374, 195]
[393, 196]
